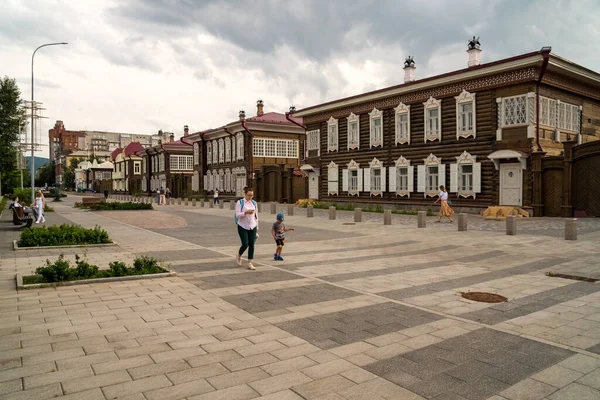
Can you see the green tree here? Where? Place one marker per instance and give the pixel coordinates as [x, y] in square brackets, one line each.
[12, 122]
[69, 175]
[47, 175]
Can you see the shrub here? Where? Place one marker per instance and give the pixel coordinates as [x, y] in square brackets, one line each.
[61, 270]
[63, 235]
[114, 206]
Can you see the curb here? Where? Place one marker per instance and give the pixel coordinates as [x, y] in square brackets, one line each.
[73, 246]
[21, 286]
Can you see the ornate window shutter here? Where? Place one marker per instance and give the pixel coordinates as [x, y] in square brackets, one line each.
[454, 178]
[375, 131]
[411, 179]
[421, 179]
[465, 98]
[345, 180]
[392, 175]
[400, 110]
[353, 131]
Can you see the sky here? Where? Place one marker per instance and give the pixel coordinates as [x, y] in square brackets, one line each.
[137, 66]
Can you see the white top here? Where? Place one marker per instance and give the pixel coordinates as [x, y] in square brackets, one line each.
[246, 221]
[216, 194]
[39, 203]
[443, 195]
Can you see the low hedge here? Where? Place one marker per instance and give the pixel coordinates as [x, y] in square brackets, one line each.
[61, 270]
[63, 235]
[103, 206]
[376, 208]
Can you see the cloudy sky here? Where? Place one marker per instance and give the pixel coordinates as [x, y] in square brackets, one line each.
[142, 65]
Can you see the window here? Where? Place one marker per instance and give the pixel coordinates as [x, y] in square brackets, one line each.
[196, 154]
[313, 141]
[402, 179]
[514, 110]
[136, 168]
[465, 176]
[181, 163]
[215, 154]
[270, 148]
[281, 148]
[465, 115]
[432, 119]
[568, 117]
[221, 151]
[195, 182]
[292, 149]
[258, 150]
[432, 178]
[227, 150]
[353, 132]
[240, 146]
[332, 179]
[353, 181]
[161, 162]
[275, 148]
[402, 124]
[208, 153]
[144, 162]
[376, 128]
[548, 112]
[374, 178]
[332, 134]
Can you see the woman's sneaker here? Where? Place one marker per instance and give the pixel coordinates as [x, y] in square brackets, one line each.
[275, 257]
[279, 258]
[238, 259]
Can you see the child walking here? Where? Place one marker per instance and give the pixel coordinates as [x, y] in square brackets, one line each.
[278, 232]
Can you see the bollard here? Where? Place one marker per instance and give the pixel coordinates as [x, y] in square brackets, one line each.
[211, 204]
[309, 211]
[290, 209]
[462, 222]
[511, 225]
[187, 201]
[332, 212]
[387, 217]
[422, 219]
[193, 202]
[232, 205]
[221, 204]
[273, 208]
[202, 203]
[358, 215]
[179, 201]
[571, 229]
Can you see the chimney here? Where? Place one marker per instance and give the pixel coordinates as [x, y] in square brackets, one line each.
[186, 130]
[409, 69]
[474, 50]
[242, 115]
[259, 108]
[171, 138]
[292, 109]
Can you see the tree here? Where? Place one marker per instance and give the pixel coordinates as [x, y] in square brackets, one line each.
[69, 175]
[12, 123]
[47, 175]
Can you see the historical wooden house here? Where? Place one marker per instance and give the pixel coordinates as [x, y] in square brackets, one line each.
[133, 168]
[473, 130]
[262, 152]
[168, 165]
[118, 176]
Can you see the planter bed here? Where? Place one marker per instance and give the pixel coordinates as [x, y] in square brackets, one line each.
[70, 246]
[21, 286]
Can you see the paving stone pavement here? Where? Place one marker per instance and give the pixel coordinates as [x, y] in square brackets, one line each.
[355, 312]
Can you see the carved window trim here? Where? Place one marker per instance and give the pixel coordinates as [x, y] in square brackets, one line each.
[431, 134]
[208, 153]
[402, 162]
[462, 99]
[332, 134]
[221, 151]
[375, 135]
[376, 165]
[354, 166]
[465, 159]
[353, 135]
[400, 111]
[332, 179]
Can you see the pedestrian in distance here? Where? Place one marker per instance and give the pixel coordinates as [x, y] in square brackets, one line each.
[445, 209]
[105, 194]
[38, 205]
[168, 195]
[278, 231]
[246, 219]
[216, 199]
[161, 192]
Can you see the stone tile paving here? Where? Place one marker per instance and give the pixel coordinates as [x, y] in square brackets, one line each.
[170, 339]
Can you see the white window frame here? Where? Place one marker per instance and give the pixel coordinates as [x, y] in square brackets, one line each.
[402, 130]
[227, 150]
[353, 134]
[215, 180]
[457, 176]
[429, 133]
[228, 180]
[549, 112]
[394, 174]
[221, 151]
[215, 152]
[332, 179]
[144, 162]
[313, 142]
[375, 133]
[161, 162]
[463, 99]
[258, 147]
[353, 190]
[423, 175]
[195, 181]
[275, 148]
[137, 168]
[181, 162]
[208, 153]
[240, 146]
[568, 117]
[196, 153]
[332, 134]
[506, 109]
[375, 187]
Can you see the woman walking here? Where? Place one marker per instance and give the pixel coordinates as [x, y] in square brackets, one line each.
[445, 209]
[39, 206]
[246, 217]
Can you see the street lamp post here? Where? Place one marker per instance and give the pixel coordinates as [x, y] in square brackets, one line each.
[32, 116]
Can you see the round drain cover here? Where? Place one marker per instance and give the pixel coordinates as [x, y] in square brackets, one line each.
[484, 297]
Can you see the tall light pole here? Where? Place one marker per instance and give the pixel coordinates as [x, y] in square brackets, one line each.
[32, 116]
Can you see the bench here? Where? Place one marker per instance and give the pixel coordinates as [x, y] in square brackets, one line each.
[19, 217]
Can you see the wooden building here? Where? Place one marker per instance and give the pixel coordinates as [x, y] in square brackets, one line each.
[262, 152]
[473, 130]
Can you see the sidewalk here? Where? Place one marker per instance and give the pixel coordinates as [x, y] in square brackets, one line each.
[361, 311]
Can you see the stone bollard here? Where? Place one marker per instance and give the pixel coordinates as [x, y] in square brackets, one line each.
[187, 201]
[511, 225]
[387, 217]
[232, 205]
[193, 202]
[571, 229]
[179, 201]
[211, 204]
[422, 219]
[221, 204]
[462, 222]
[202, 203]
[290, 209]
[331, 212]
[358, 215]
[309, 211]
[273, 208]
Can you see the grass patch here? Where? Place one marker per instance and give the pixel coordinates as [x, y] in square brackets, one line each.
[62, 270]
[114, 206]
[63, 235]
[376, 208]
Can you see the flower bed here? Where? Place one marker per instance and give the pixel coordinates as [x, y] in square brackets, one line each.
[63, 235]
[114, 206]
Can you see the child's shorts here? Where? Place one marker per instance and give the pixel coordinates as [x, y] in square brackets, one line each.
[280, 242]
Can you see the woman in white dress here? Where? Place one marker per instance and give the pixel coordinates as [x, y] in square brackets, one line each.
[445, 209]
[39, 206]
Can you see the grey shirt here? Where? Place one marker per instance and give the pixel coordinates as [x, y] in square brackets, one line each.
[279, 229]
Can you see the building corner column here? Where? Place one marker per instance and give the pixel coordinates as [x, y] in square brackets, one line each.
[567, 192]
[537, 172]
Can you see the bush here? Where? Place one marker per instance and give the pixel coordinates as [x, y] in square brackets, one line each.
[63, 235]
[61, 270]
[3, 202]
[114, 206]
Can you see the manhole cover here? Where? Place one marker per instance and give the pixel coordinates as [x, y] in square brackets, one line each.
[484, 297]
[348, 223]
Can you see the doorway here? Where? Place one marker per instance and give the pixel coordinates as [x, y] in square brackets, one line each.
[511, 185]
